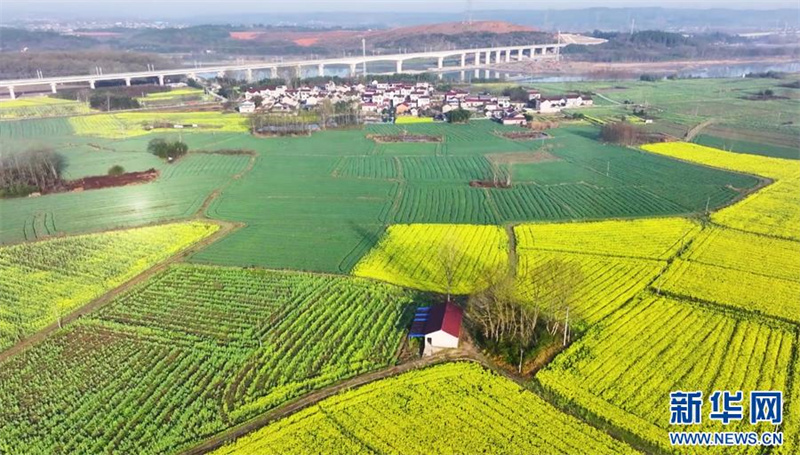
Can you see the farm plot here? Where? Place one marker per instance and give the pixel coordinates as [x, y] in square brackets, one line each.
[34, 129]
[178, 193]
[654, 238]
[614, 260]
[772, 210]
[130, 124]
[44, 281]
[602, 286]
[452, 408]
[41, 107]
[724, 286]
[191, 353]
[624, 369]
[454, 259]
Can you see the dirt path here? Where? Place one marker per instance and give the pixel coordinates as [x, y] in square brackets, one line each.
[697, 129]
[313, 398]
[513, 260]
[39, 336]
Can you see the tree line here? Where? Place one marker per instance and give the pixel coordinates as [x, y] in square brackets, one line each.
[33, 170]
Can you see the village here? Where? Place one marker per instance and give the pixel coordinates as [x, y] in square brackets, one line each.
[396, 101]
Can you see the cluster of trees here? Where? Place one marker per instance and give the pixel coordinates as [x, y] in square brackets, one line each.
[168, 150]
[27, 172]
[517, 94]
[512, 313]
[458, 116]
[109, 101]
[622, 133]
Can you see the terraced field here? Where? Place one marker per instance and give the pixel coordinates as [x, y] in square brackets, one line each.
[44, 281]
[453, 408]
[193, 352]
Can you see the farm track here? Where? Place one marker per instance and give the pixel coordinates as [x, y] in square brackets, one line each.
[225, 229]
[315, 397]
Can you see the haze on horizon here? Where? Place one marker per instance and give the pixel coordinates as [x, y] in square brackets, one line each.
[176, 9]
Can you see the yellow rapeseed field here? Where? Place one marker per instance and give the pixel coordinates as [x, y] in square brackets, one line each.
[130, 124]
[435, 257]
[773, 210]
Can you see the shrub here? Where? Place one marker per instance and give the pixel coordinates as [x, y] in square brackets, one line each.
[116, 170]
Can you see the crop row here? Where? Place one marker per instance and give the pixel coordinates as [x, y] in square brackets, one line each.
[190, 353]
[653, 238]
[604, 284]
[772, 210]
[437, 257]
[42, 282]
[624, 371]
[453, 408]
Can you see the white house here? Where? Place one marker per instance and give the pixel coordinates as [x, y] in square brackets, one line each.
[439, 326]
[247, 107]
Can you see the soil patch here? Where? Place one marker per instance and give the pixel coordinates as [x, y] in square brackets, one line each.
[490, 184]
[108, 181]
[409, 138]
[524, 135]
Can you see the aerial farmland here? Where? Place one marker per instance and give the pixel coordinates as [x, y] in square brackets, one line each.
[181, 275]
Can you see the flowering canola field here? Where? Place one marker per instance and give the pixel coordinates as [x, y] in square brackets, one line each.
[448, 409]
[773, 210]
[428, 256]
[45, 280]
[131, 124]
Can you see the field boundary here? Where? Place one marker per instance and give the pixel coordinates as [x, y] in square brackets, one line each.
[40, 335]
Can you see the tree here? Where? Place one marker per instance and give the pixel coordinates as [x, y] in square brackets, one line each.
[116, 170]
[168, 150]
[562, 279]
[622, 133]
[448, 258]
[258, 100]
[458, 116]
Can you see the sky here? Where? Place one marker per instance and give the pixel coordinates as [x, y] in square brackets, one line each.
[194, 11]
[380, 5]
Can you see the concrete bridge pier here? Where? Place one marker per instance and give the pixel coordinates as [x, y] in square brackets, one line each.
[11, 92]
[161, 77]
[440, 63]
[248, 75]
[273, 72]
[53, 87]
[353, 69]
[477, 58]
[463, 75]
[399, 68]
[320, 70]
[127, 82]
[463, 60]
[91, 84]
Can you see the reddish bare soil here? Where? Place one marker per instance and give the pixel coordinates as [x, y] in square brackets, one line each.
[488, 184]
[338, 37]
[109, 181]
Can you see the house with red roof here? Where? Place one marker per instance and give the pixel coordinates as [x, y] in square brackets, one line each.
[439, 326]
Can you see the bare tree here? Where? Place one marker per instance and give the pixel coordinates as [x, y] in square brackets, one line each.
[563, 279]
[448, 256]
